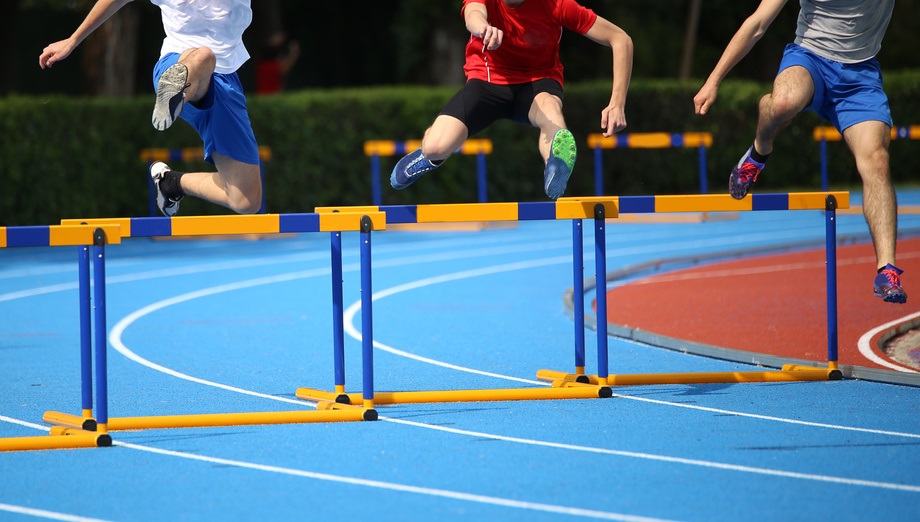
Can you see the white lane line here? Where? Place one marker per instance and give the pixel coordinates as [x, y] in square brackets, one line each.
[42, 513]
[869, 353]
[404, 488]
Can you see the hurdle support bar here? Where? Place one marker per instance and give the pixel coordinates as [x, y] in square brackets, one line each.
[789, 373]
[566, 391]
[374, 149]
[649, 140]
[69, 440]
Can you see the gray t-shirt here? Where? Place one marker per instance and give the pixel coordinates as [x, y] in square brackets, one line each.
[847, 31]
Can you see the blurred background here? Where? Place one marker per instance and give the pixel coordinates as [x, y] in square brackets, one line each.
[324, 77]
[366, 43]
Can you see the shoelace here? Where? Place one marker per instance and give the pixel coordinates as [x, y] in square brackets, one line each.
[894, 280]
[748, 173]
[412, 164]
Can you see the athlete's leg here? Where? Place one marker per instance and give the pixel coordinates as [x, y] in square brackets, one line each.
[793, 89]
[200, 62]
[869, 143]
[444, 137]
[235, 185]
[546, 114]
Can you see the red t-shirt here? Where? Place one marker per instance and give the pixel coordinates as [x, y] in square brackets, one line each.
[530, 47]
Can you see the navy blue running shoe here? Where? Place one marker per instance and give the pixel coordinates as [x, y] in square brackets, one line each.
[888, 285]
[410, 168]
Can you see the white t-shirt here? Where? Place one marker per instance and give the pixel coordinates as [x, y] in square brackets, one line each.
[216, 24]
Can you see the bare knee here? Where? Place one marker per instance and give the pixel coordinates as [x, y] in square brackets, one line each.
[779, 106]
[248, 202]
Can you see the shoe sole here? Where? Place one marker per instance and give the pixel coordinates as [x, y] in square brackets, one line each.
[558, 182]
[170, 96]
[735, 188]
[564, 148]
[894, 297]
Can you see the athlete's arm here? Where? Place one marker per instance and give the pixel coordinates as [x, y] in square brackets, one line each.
[101, 11]
[741, 43]
[613, 117]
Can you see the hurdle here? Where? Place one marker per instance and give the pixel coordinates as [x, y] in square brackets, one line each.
[830, 202]
[65, 235]
[92, 426]
[188, 155]
[374, 149]
[825, 134]
[566, 385]
[649, 140]
[459, 213]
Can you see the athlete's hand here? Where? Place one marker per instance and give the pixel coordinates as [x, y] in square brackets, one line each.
[613, 120]
[491, 38]
[55, 52]
[705, 98]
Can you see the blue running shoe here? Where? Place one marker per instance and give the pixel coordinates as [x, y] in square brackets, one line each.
[743, 175]
[410, 168]
[560, 164]
[888, 285]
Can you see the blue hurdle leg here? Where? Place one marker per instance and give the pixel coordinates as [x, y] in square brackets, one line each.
[367, 315]
[338, 324]
[831, 251]
[102, 400]
[600, 286]
[578, 297]
[375, 179]
[86, 332]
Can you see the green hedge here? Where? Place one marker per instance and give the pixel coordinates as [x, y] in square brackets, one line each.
[78, 157]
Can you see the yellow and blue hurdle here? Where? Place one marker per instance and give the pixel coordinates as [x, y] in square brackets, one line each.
[578, 384]
[374, 149]
[649, 140]
[91, 428]
[340, 406]
[825, 134]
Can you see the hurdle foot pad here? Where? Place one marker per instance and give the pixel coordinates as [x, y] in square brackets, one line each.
[370, 415]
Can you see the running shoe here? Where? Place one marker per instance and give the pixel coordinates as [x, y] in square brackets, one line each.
[409, 169]
[168, 207]
[560, 163]
[888, 285]
[170, 96]
[743, 176]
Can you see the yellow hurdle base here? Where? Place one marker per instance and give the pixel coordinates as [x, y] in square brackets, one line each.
[57, 440]
[789, 373]
[64, 421]
[566, 391]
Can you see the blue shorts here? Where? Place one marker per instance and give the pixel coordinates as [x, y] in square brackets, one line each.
[220, 118]
[845, 93]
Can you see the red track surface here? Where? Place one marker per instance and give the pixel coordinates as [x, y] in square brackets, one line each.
[772, 304]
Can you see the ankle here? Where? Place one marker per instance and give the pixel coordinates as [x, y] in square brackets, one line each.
[171, 185]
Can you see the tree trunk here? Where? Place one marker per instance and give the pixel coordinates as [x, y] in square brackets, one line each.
[693, 24]
[110, 55]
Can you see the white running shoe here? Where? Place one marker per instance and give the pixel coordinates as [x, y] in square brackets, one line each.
[169, 207]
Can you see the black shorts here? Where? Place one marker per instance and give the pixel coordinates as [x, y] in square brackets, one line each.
[480, 104]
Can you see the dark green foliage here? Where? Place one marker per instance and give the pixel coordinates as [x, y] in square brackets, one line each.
[79, 157]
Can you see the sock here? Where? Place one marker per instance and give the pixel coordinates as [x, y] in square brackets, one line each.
[758, 157]
[171, 186]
